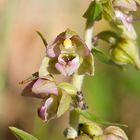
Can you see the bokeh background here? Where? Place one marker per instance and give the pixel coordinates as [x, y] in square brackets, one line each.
[112, 94]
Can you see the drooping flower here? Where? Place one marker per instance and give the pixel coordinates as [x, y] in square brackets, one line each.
[67, 54]
[56, 98]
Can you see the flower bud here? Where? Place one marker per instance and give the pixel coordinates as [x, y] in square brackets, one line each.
[116, 131]
[112, 133]
[91, 129]
[124, 52]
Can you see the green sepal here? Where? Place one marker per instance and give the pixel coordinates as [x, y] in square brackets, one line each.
[48, 66]
[22, 135]
[108, 10]
[69, 33]
[94, 12]
[68, 88]
[64, 104]
[43, 67]
[92, 117]
[87, 65]
[42, 37]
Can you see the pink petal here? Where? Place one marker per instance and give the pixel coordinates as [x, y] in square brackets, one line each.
[73, 65]
[27, 91]
[53, 47]
[61, 61]
[61, 68]
[42, 111]
[43, 87]
[125, 19]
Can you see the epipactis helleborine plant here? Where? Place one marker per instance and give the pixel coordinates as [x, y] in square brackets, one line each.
[67, 54]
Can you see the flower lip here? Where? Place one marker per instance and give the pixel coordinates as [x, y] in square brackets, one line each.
[67, 59]
[67, 65]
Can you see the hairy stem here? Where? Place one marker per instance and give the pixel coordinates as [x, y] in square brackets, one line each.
[89, 35]
[77, 81]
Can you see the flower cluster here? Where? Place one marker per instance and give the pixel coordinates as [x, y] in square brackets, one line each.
[124, 49]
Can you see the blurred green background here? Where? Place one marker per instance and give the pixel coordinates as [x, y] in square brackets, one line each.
[112, 94]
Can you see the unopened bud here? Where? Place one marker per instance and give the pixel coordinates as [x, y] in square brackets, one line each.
[124, 52]
[112, 133]
[91, 129]
[116, 131]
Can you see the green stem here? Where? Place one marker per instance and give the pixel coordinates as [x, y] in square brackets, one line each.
[77, 81]
[89, 35]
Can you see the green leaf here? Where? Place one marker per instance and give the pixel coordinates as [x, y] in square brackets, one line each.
[68, 88]
[92, 117]
[64, 104]
[94, 12]
[102, 56]
[43, 39]
[21, 135]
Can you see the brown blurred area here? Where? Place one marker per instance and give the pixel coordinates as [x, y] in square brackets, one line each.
[21, 52]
